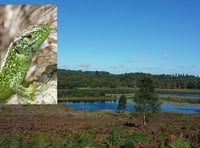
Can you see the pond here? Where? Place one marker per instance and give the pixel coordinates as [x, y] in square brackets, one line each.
[112, 105]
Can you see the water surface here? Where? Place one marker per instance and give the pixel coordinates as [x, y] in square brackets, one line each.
[112, 105]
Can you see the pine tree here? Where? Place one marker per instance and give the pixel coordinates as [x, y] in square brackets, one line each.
[146, 99]
[122, 103]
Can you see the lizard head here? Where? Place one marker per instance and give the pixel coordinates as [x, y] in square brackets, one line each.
[31, 38]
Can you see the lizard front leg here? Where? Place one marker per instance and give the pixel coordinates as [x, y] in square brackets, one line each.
[25, 91]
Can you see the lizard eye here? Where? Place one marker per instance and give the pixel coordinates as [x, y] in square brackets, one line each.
[27, 38]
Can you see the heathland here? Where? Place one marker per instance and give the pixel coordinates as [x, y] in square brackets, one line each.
[58, 126]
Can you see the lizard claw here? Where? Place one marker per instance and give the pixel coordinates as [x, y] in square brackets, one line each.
[32, 89]
[34, 86]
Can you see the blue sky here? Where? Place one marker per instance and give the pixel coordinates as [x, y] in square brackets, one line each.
[118, 36]
[130, 36]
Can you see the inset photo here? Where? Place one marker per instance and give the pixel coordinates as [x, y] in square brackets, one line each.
[28, 54]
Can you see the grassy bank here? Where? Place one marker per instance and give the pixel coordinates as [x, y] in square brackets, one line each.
[180, 99]
[188, 91]
[100, 98]
[133, 90]
[78, 92]
[89, 99]
[108, 94]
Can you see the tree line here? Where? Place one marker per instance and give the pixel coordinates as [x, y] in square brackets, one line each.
[69, 79]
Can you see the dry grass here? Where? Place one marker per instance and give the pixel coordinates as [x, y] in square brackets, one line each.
[55, 120]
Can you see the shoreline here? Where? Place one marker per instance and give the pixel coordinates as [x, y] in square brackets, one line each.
[112, 94]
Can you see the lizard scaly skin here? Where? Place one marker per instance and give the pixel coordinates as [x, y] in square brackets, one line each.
[18, 60]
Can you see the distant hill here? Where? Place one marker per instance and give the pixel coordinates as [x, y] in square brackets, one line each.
[73, 79]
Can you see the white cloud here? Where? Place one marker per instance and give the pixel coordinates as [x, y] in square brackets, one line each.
[84, 66]
[130, 61]
[165, 56]
[194, 66]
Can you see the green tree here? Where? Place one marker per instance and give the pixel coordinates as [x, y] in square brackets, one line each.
[198, 84]
[122, 103]
[146, 99]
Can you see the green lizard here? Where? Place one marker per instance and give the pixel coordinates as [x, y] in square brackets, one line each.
[18, 60]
